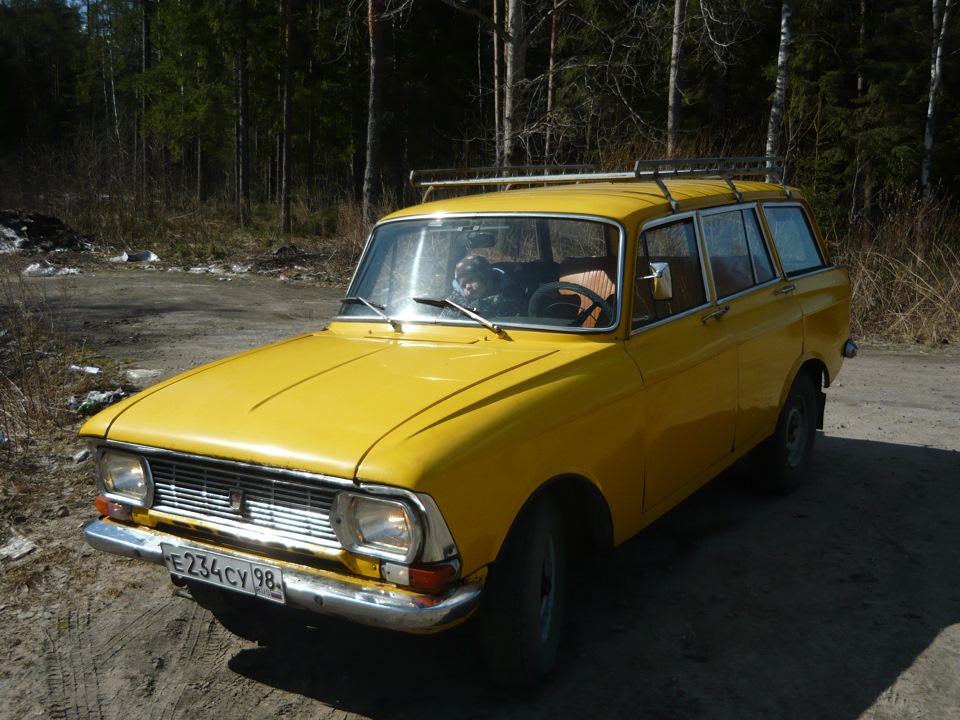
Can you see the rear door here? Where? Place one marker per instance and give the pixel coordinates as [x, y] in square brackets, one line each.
[688, 362]
[764, 321]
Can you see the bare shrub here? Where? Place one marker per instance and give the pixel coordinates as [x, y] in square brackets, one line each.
[352, 229]
[905, 272]
[36, 381]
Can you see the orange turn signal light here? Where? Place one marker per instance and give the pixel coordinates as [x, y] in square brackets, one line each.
[114, 510]
[432, 577]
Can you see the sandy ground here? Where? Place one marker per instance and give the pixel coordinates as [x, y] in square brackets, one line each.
[839, 601]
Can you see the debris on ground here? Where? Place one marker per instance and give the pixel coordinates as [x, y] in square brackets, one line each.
[141, 256]
[135, 375]
[45, 269]
[96, 400]
[35, 233]
[16, 547]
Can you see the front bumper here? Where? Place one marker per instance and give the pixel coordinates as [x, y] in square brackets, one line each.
[376, 605]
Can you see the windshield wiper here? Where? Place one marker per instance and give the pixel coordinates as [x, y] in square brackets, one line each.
[444, 303]
[378, 309]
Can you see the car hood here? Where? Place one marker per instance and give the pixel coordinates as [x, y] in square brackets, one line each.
[317, 403]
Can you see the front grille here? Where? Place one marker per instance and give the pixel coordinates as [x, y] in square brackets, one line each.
[271, 501]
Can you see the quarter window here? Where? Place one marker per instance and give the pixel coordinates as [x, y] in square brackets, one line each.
[794, 239]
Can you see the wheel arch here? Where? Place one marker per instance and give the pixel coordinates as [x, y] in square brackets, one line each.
[819, 374]
[582, 506]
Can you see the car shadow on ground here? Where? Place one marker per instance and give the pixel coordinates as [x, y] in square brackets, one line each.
[733, 605]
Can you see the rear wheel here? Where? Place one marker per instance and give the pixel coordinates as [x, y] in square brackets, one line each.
[781, 461]
[524, 598]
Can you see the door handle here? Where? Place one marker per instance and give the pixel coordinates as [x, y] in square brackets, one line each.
[719, 312]
[786, 289]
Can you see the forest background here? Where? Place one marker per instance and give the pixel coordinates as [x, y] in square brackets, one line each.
[206, 128]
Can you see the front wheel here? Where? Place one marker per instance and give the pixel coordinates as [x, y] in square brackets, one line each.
[523, 605]
[781, 461]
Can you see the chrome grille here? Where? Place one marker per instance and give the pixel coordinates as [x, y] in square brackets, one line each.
[294, 507]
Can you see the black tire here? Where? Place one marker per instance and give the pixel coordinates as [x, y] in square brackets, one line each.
[523, 606]
[244, 616]
[781, 462]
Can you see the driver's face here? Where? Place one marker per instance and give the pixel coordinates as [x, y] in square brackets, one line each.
[474, 286]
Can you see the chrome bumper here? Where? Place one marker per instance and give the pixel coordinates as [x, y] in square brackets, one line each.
[378, 606]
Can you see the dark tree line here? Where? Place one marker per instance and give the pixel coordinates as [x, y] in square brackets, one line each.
[266, 101]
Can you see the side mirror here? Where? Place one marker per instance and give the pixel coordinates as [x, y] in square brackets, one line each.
[662, 280]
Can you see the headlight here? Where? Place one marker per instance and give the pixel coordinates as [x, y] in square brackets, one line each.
[381, 527]
[125, 478]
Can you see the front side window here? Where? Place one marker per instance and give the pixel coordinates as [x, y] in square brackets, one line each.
[512, 270]
[674, 243]
[794, 239]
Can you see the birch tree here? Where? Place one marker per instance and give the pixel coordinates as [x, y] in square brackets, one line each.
[371, 174]
[515, 66]
[941, 19]
[551, 85]
[779, 95]
[508, 27]
[674, 96]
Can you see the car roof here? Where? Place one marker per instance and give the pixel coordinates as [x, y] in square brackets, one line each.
[620, 201]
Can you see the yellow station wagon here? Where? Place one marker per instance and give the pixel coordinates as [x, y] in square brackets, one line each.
[511, 374]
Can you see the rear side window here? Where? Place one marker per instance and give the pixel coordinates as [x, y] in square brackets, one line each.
[738, 255]
[794, 239]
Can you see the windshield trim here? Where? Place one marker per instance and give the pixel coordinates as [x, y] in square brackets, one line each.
[502, 322]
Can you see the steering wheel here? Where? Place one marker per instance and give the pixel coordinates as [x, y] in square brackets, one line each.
[536, 300]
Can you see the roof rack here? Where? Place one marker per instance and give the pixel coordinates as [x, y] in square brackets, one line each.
[655, 170]
[506, 177]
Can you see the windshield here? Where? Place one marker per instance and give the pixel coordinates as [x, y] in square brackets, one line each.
[546, 272]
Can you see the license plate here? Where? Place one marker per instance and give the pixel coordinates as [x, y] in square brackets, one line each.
[252, 578]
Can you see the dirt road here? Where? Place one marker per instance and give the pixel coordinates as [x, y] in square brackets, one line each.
[840, 601]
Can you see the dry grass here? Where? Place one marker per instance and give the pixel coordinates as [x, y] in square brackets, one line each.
[905, 272]
[36, 381]
[200, 233]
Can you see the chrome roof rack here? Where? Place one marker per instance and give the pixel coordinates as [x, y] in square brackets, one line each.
[505, 177]
[655, 170]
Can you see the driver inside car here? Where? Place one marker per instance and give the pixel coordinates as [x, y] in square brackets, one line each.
[485, 289]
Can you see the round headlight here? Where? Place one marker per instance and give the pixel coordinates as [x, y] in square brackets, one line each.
[381, 527]
[125, 478]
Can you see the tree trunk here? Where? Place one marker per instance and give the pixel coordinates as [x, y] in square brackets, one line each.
[243, 121]
[867, 197]
[940, 23]
[142, 158]
[310, 170]
[779, 95]
[371, 173]
[551, 88]
[676, 60]
[199, 170]
[497, 83]
[285, 159]
[515, 62]
[109, 83]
